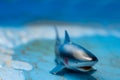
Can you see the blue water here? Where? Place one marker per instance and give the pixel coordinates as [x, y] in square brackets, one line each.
[20, 12]
[40, 53]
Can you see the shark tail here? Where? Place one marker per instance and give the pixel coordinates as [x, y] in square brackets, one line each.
[57, 44]
[58, 41]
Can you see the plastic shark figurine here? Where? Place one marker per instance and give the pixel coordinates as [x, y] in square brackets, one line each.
[72, 56]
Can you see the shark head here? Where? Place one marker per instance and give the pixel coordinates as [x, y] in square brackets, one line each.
[77, 57]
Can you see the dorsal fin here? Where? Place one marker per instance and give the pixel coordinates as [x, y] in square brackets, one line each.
[67, 38]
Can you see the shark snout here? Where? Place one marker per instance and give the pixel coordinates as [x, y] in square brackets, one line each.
[94, 59]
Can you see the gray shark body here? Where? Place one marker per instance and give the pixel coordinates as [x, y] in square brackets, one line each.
[72, 56]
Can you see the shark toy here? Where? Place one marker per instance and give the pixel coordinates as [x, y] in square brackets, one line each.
[72, 56]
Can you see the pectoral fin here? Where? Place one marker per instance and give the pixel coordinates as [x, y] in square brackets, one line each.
[57, 69]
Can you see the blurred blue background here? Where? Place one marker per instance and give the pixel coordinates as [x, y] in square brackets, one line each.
[27, 52]
[19, 12]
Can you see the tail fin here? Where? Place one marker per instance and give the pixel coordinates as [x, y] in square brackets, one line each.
[57, 36]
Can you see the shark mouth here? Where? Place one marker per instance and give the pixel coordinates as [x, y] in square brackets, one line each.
[86, 68]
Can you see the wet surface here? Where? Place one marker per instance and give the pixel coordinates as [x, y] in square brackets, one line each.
[40, 54]
[28, 53]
